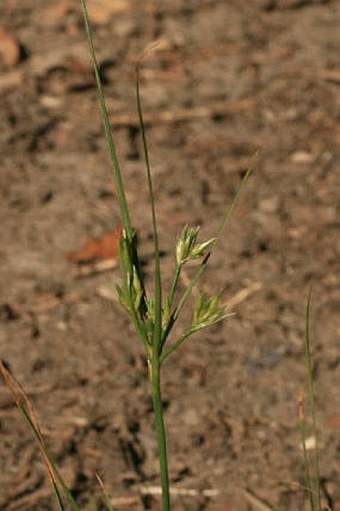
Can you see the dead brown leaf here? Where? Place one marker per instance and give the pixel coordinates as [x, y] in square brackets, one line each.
[95, 249]
[334, 421]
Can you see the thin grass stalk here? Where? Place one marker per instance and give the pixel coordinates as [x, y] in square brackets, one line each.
[308, 481]
[54, 474]
[107, 128]
[158, 280]
[56, 491]
[179, 307]
[230, 209]
[25, 408]
[167, 351]
[174, 286]
[105, 493]
[66, 490]
[311, 396]
[155, 366]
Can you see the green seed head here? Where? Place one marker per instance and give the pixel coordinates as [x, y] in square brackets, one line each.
[207, 311]
[187, 247]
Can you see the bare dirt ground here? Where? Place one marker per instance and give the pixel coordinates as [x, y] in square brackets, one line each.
[228, 78]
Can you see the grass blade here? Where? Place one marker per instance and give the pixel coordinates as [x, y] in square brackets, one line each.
[311, 396]
[158, 279]
[107, 128]
[25, 408]
[104, 491]
[308, 480]
[31, 422]
[229, 211]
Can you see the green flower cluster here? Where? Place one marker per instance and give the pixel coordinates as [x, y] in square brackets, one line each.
[133, 297]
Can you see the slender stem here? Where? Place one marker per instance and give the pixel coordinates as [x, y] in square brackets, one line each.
[167, 351]
[158, 278]
[160, 430]
[311, 395]
[174, 285]
[231, 207]
[192, 284]
[107, 129]
[172, 319]
[308, 481]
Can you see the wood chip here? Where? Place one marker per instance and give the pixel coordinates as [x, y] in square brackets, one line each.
[217, 109]
[87, 270]
[10, 52]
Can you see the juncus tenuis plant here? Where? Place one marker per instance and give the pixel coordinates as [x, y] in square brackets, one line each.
[155, 315]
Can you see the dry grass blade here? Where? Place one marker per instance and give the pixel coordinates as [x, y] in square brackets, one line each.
[107, 498]
[24, 405]
[215, 109]
[26, 409]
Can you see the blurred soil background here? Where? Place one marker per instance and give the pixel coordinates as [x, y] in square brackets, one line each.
[228, 78]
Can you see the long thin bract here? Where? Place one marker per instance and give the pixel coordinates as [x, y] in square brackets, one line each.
[107, 128]
[158, 279]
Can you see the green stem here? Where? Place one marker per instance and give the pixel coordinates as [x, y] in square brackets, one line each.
[311, 395]
[107, 129]
[231, 207]
[174, 285]
[160, 430]
[308, 481]
[175, 345]
[171, 298]
[197, 275]
[158, 279]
